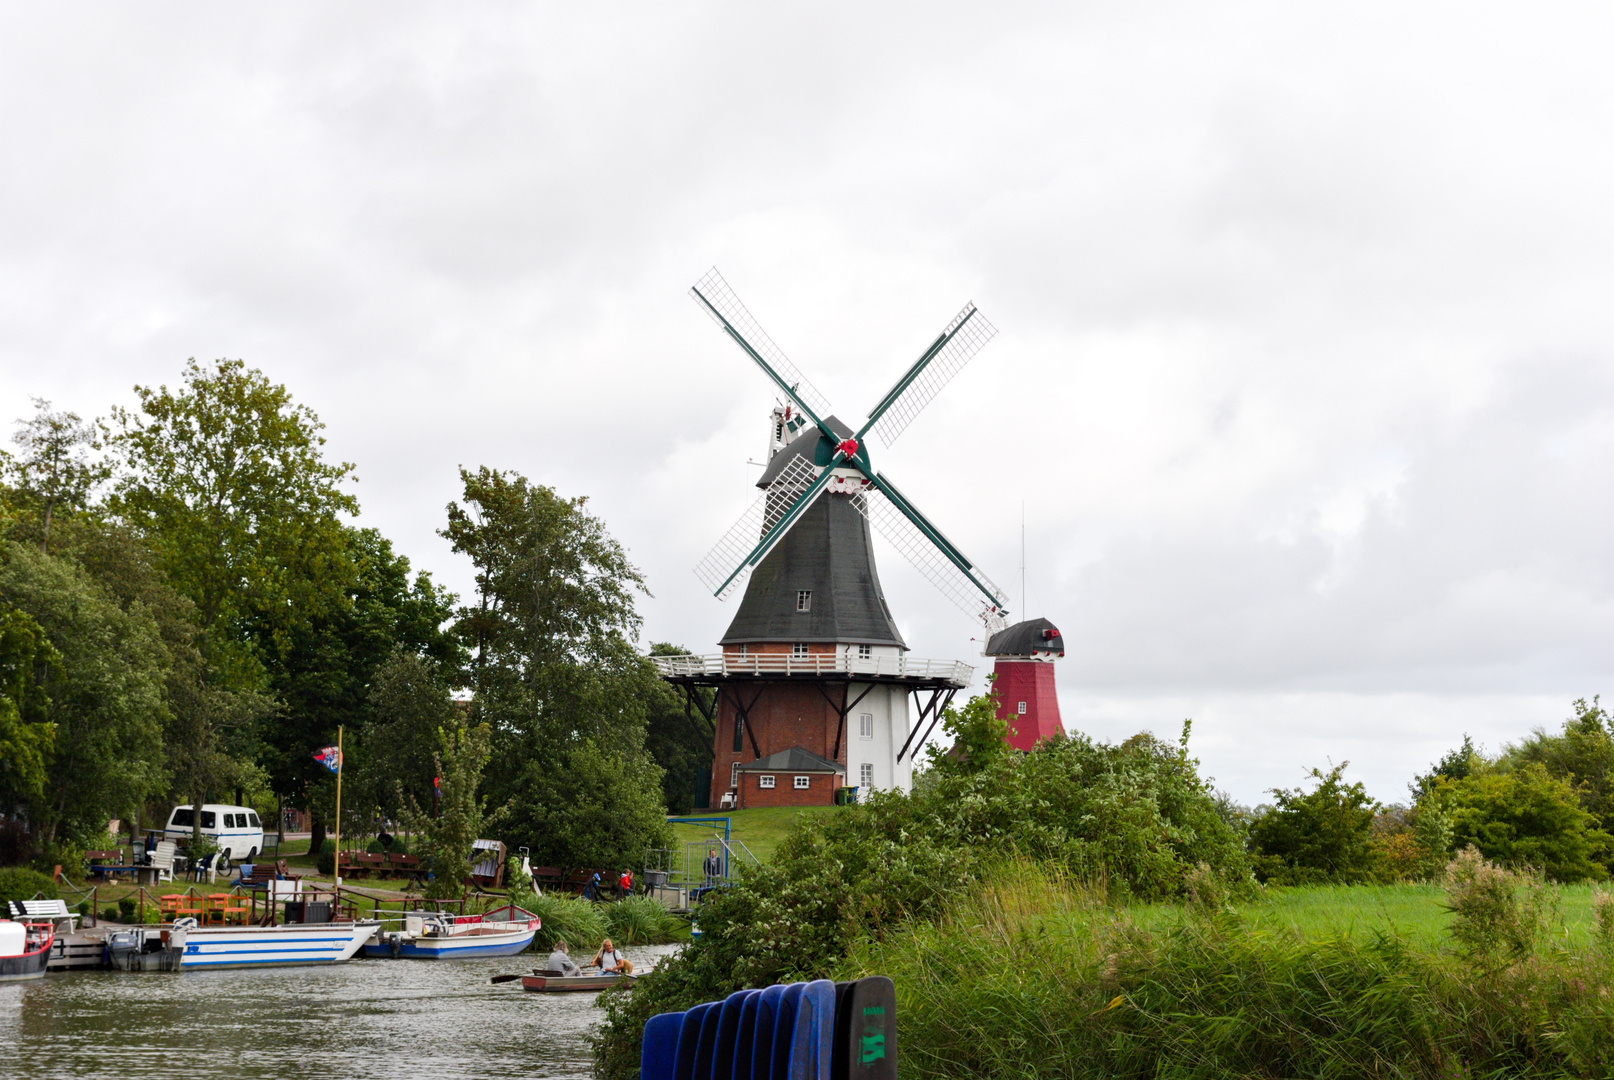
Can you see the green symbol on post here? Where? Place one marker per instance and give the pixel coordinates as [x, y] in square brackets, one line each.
[873, 1048]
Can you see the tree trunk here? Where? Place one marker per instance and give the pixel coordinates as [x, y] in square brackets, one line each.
[316, 835]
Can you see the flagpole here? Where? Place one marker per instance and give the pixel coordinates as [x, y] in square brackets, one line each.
[336, 865]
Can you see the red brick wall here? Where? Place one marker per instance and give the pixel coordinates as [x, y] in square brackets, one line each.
[784, 791]
[785, 715]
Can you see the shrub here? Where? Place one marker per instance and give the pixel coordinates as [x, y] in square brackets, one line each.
[325, 860]
[1603, 921]
[126, 910]
[21, 883]
[111, 914]
[1128, 820]
[639, 920]
[571, 918]
[1317, 836]
[1525, 818]
[1499, 915]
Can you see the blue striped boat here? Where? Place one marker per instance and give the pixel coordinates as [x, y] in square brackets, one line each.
[296, 945]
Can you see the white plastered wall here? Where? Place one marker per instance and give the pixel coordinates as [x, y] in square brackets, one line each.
[888, 705]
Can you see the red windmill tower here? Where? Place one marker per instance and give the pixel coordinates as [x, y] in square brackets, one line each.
[1024, 681]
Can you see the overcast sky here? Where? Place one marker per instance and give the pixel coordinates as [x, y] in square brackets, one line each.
[1305, 365]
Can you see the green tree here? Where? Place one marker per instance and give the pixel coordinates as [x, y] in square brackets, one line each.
[1525, 818]
[1456, 765]
[550, 633]
[227, 480]
[462, 814]
[978, 737]
[409, 705]
[56, 470]
[1320, 835]
[27, 736]
[596, 810]
[678, 737]
[1582, 755]
[107, 704]
[324, 670]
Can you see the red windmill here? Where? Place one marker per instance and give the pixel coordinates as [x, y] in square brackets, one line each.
[1024, 684]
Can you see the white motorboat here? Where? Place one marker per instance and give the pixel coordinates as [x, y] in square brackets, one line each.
[436, 936]
[187, 946]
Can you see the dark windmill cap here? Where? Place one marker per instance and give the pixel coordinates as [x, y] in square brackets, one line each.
[1034, 637]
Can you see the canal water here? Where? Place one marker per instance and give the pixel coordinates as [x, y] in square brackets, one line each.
[366, 1018]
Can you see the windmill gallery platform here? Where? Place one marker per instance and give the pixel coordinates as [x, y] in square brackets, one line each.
[813, 682]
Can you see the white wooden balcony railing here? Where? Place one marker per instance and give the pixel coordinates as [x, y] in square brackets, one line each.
[898, 667]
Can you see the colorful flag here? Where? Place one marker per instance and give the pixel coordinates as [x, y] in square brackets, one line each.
[330, 757]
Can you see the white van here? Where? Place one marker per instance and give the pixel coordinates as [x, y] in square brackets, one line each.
[235, 829]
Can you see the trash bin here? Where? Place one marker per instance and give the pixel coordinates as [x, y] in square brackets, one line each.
[656, 879]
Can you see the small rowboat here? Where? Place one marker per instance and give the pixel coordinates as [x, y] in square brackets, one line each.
[559, 984]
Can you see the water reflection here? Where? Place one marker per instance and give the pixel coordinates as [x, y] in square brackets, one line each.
[367, 1018]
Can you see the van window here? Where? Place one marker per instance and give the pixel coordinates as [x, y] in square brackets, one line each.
[229, 821]
[208, 819]
[253, 817]
[182, 818]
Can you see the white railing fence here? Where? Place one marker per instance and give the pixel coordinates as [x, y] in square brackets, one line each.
[902, 667]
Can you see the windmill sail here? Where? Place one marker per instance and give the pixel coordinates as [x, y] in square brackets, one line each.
[964, 585]
[960, 340]
[714, 294]
[728, 563]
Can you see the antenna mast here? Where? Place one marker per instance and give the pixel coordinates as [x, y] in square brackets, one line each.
[1022, 556]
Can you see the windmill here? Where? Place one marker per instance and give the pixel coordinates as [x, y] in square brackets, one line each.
[813, 683]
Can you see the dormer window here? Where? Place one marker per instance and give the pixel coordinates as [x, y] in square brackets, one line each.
[804, 600]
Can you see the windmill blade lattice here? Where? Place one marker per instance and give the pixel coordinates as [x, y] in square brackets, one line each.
[970, 332]
[717, 293]
[720, 570]
[902, 534]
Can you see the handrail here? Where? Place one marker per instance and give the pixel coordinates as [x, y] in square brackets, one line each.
[836, 663]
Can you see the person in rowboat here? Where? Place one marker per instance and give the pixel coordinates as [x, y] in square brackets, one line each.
[559, 961]
[611, 962]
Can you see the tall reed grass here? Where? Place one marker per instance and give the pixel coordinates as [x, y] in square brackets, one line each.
[1032, 975]
[583, 924]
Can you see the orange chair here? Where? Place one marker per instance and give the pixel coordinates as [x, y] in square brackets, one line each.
[168, 906]
[215, 908]
[235, 908]
[191, 905]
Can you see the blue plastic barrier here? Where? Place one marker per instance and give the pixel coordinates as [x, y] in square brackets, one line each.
[801, 1031]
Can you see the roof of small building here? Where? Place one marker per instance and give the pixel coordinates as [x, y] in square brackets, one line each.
[796, 759]
[1026, 639]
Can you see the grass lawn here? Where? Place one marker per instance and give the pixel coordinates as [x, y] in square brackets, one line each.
[760, 830]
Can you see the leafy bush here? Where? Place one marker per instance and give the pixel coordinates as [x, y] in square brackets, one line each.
[1525, 818]
[1319, 836]
[21, 883]
[1129, 820]
[325, 860]
[111, 914]
[1500, 915]
[639, 920]
[126, 910]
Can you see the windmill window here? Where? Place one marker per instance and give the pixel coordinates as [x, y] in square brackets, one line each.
[1022, 708]
[804, 600]
[865, 651]
[734, 775]
[865, 725]
[742, 650]
[765, 780]
[799, 649]
[803, 782]
[866, 774]
[739, 734]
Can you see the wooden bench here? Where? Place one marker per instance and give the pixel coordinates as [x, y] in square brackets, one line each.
[548, 876]
[51, 910]
[374, 865]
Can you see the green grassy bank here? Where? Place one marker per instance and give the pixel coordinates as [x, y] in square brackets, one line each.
[1029, 976]
[760, 830]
